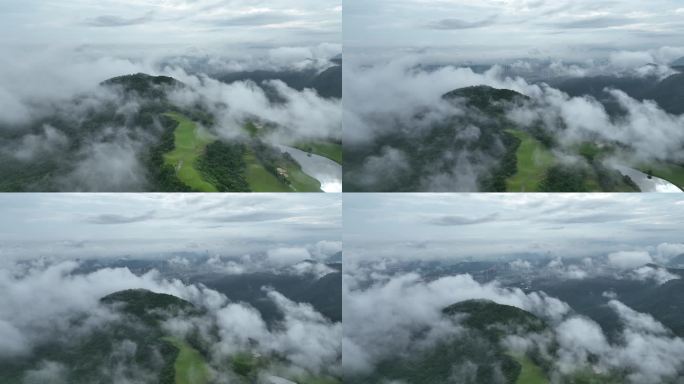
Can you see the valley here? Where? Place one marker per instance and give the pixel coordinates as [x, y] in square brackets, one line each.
[161, 144]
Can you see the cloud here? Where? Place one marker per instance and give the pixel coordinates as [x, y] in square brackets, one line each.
[599, 22]
[254, 20]
[120, 219]
[629, 259]
[455, 24]
[400, 98]
[645, 351]
[307, 341]
[118, 21]
[591, 218]
[299, 115]
[453, 220]
[113, 156]
[390, 311]
[404, 305]
[288, 256]
[667, 251]
[659, 275]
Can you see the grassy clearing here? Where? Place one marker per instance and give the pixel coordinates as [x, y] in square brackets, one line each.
[300, 181]
[530, 372]
[259, 179]
[190, 142]
[670, 172]
[533, 160]
[190, 366]
[332, 151]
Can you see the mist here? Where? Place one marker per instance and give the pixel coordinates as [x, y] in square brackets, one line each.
[397, 102]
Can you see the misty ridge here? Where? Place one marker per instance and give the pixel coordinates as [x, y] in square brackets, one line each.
[532, 318]
[419, 120]
[86, 119]
[270, 316]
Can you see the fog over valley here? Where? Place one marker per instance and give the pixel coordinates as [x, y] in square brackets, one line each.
[161, 288]
[584, 97]
[503, 288]
[241, 81]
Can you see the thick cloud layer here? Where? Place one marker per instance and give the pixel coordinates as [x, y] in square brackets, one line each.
[309, 342]
[300, 115]
[384, 312]
[62, 84]
[495, 30]
[383, 318]
[646, 349]
[401, 97]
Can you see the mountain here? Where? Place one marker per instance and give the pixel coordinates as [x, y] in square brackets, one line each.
[150, 307]
[479, 146]
[677, 261]
[678, 64]
[474, 355]
[327, 83]
[144, 85]
[324, 293]
[485, 98]
[495, 319]
[587, 297]
[159, 147]
[668, 93]
[133, 347]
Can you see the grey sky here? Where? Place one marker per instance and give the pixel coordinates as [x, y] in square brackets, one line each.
[92, 225]
[514, 28]
[170, 22]
[424, 226]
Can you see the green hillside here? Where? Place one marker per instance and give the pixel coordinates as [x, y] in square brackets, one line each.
[176, 147]
[533, 162]
[189, 144]
[328, 149]
[97, 357]
[480, 348]
[190, 367]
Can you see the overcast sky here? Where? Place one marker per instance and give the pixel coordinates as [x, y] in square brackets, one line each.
[194, 23]
[421, 226]
[515, 28]
[95, 225]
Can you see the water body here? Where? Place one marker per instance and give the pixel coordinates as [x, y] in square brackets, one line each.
[646, 184]
[326, 171]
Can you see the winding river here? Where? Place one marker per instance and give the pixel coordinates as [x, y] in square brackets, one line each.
[646, 184]
[326, 171]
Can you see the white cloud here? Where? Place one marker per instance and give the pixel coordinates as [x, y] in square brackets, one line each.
[288, 256]
[629, 259]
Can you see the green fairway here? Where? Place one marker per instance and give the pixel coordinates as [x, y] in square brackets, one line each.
[530, 373]
[190, 142]
[331, 150]
[533, 160]
[670, 172]
[190, 366]
[259, 179]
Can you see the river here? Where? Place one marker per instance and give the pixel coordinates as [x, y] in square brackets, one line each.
[326, 171]
[646, 184]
